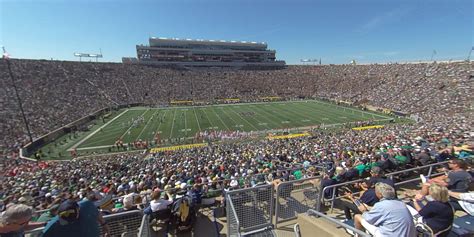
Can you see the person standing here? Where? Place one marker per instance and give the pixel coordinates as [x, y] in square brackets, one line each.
[76, 219]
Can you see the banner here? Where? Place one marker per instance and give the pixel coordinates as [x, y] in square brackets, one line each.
[175, 148]
[288, 136]
[367, 127]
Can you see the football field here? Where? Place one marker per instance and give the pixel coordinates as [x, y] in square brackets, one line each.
[171, 123]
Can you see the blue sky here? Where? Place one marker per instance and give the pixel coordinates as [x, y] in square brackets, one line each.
[336, 31]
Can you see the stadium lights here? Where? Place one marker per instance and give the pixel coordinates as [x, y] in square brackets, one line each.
[87, 55]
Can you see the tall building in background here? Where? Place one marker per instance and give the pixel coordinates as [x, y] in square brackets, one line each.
[206, 53]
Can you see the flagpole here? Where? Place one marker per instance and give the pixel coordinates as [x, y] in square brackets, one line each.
[469, 55]
[432, 55]
[17, 95]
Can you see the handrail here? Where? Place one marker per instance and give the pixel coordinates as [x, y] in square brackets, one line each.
[36, 231]
[337, 222]
[233, 212]
[390, 175]
[292, 182]
[144, 230]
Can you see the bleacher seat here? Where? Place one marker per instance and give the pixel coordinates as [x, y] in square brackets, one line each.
[463, 227]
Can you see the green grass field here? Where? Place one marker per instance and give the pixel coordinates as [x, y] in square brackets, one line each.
[184, 122]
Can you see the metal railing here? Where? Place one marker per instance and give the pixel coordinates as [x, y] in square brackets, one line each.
[252, 209]
[335, 187]
[121, 224]
[144, 230]
[124, 223]
[233, 225]
[295, 197]
[336, 222]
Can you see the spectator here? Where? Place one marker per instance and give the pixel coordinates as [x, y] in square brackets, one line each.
[76, 219]
[48, 215]
[388, 217]
[15, 220]
[463, 202]
[157, 204]
[437, 214]
[457, 180]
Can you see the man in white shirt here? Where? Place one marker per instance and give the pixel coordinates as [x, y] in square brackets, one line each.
[158, 203]
[465, 202]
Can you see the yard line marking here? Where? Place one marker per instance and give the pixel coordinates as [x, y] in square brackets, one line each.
[159, 125]
[199, 126]
[209, 119]
[132, 125]
[364, 112]
[96, 131]
[236, 125]
[141, 132]
[172, 125]
[185, 123]
[219, 117]
[267, 118]
[243, 118]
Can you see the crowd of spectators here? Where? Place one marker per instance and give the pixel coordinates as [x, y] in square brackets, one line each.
[56, 93]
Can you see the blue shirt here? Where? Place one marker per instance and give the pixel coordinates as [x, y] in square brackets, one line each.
[392, 218]
[437, 215]
[86, 225]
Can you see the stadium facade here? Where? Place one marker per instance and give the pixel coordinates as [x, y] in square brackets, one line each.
[206, 53]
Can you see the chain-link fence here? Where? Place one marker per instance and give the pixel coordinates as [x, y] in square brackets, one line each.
[295, 197]
[252, 207]
[124, 224]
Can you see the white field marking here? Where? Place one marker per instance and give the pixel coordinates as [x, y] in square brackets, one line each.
[270, 115]
[222, 121]
[239, 126]
[325, 118]
[343, 117]
[185, 130]
[305, 120]
[213, 128]
[251, 125]
[261, 131]
[262, 124]
[207, 117]
[130, 128]
[285, 121]
[197, 120]
[159, 125]
[364, 112]
[185, 124]
[141, 132]
[223, 111]
[172, 125]
[96, 131]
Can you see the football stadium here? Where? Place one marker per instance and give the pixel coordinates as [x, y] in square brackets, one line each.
[201, 137]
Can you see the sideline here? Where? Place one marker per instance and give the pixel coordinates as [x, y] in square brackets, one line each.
[96, 131]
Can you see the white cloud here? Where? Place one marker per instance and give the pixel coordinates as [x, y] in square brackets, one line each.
[382, 19]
